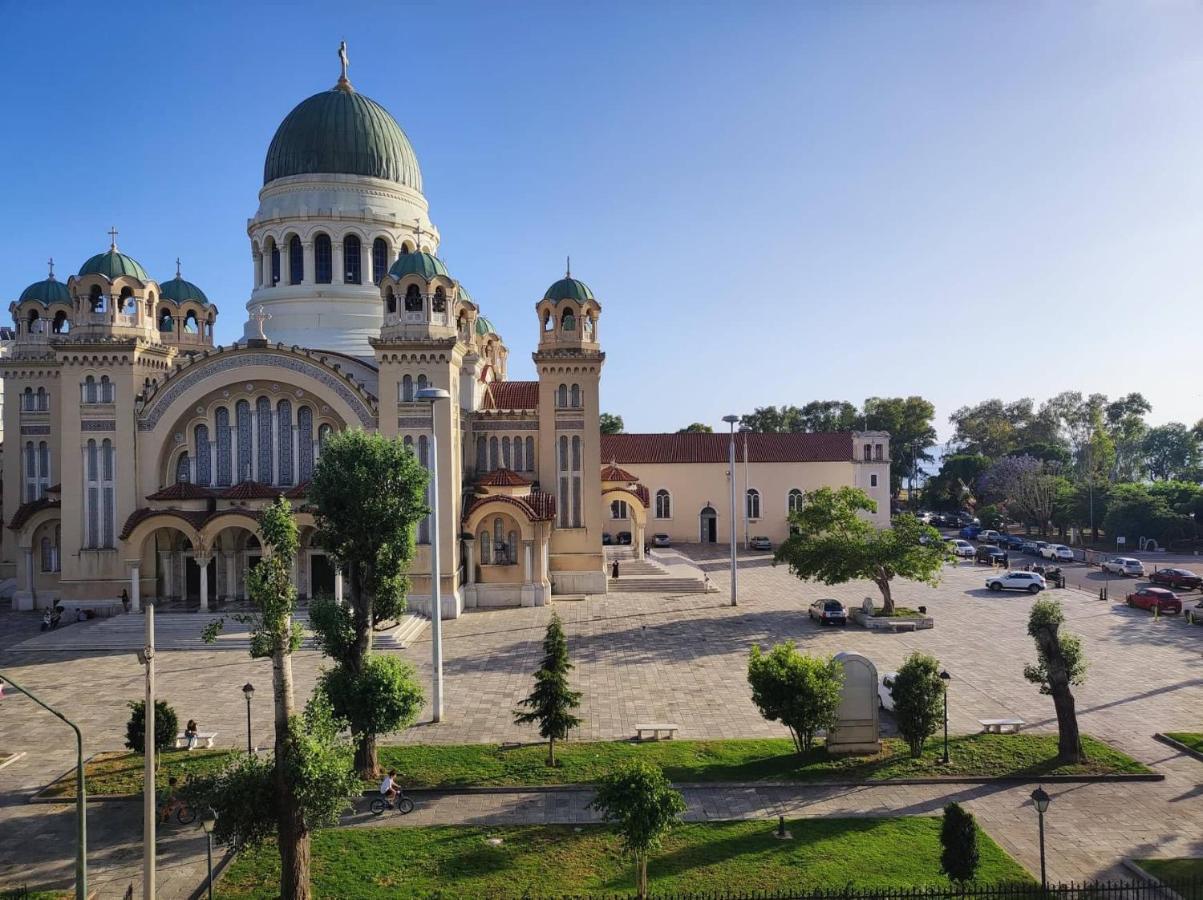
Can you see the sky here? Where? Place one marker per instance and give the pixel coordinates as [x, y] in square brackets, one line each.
[773, 202]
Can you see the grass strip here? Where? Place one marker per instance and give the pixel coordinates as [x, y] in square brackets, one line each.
[1191, 739]
[120, 774]
[1178, 873]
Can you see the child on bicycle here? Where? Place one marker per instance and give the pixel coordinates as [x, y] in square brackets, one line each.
[169, 801]
[389, 788]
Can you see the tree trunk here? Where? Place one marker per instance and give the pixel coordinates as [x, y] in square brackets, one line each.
[887, 599]
[1069, 739]
[641, 887]
[293, 836]
[294, 851]
[366, 764]
[551, 752]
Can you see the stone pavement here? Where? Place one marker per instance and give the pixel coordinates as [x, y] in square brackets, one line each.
[675, 658]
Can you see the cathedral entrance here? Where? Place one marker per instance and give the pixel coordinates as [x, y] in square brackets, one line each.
[321, 576]
[709, 523]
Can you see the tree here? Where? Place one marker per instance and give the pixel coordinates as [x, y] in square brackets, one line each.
[1060, 665]
[1135, 511]
[368, 493]
[918, 694]
[166, 726]
[552, 701]
[611, 423]
[954, 484]
[1171, 452]
[833, 543]
[643, 805]
[827, 415]
[959, 857]
[801, 692]
[769, 419]
[382, 697]
[991, 517]
[1126, 425]
[696, 428]
[994, 428]
[1025, 485]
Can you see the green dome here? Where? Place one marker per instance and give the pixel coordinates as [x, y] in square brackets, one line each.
[344, 133]
[568, 289]
[110, 264]
[46, 292]
[463, 293]
[180, 291]
[484, 326]
[423, 264]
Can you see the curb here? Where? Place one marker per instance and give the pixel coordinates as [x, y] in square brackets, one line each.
[1178, 745]
[1135, 868]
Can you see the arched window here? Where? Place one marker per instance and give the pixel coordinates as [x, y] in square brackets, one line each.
[576, 482]
[494, 463]
[407, 388]
[284, 441]
[47, 560]
[43, 400]
[794, 501]
[547, 320]
[563, 499]
[190, 323]
[183, 468]
[379, 260]
[33, 325]
[204, 457]
[61, 324]
[305, 443]
[106, 389]
[31, 473]
[108, 506]
[439, 304]
[568, 321]
[421, 385]
[89, 391]
[242, 417]
[352, 267]
[482, 453]
[166, 321]
[224, 469]
[664, 504]
[588, 327]
[43, 469]
[753, 503]
[275, 255]
[127, 304]
[562, 397]
[618, 509]
[575, 397]
[390, 300]
[91, 495]
[511, 545]
[27, 401]
[486, 556]
[413, 299]
[263, 412]
[96, 299]
[296, 260]
[323, 435]
[323, 259]
[530, 454]
[506, 460]
[501, 558]
[517, 454]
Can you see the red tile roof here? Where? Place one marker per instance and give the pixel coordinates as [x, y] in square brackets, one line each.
[25, 510]
[538, 506]
[252, 490]
[182, 490]
[504, 478]
[614, 473]
[629, 449]
[511, 395]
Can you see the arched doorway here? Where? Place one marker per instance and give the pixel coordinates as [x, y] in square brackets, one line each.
[709, 525]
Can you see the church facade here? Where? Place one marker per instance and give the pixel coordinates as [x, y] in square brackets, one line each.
[138, 452]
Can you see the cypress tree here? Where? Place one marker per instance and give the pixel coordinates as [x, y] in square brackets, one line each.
[958, 836]
[552, 701]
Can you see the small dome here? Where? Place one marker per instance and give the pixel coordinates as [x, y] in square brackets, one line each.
[46, 292]
[181, 291]
[463, 293]
[568, 288]
[484, 326]
[342, 132]
[111, 263]
[423, 264]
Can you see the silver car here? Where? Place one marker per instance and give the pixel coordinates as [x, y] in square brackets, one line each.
[1017, 581]
[1123, 565]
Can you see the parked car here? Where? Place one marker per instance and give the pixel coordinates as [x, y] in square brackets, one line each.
[989, 555]
[1011, 541]
[829, 612]
[1148, 598]
[1195, 615]
[660, 539]
[1058, 552]
[624, 537]
[1030, 548]
[968, 518]
[1122, 565]
[989, 536]
[961, 548]
[760, 542]
[607, 538]
[1031, 582]
[1182, 579]
[885, 690]
[969, 532]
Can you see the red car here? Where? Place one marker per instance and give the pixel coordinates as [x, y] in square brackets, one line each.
[1182, 579]
[1147, 598]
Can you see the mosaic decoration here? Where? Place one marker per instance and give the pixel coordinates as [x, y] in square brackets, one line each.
[204, 463]
[305, 436]
[223, 447]
[98, 425]
[284, 427]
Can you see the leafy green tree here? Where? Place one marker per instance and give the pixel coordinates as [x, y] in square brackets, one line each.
[994, 428]
[1134, 511]
[832, 542]
[1127, 428]
[1171, 452]
[1060, 665]
[959, 856]
[918, 694]
[552, 701]
[382, 697]
[770, 419]
[955, 483]
[801, 692]
[611, 423]
[643, 806]
[166, 726]
[696, 428]
[827, 416]
[991, 517]
[368, 493]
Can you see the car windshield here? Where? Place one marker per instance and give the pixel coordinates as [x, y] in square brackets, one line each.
[833, 604]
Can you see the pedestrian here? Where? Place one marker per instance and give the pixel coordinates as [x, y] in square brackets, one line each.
[614, 569]
[125, 604]
[190, 732]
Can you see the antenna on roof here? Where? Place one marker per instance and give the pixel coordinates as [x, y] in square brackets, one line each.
[50, 262]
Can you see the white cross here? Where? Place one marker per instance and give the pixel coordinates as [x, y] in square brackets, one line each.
[259, 316]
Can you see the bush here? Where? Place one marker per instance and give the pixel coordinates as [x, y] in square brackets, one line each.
[958, 836]
[800, 691]
[167, 726]
[918, 693]
[991, 517]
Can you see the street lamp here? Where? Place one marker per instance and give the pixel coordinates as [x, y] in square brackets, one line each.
[945, 677]
[432, 396]
[208, 823]
[744, 429]
[248, 691]
[731, 420]
[1040, 799]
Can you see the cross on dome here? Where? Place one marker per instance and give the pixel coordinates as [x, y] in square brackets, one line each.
[50, 262]
[568, 268]
[177, 267]
[113, 238]
[418, 233]
[343, 83]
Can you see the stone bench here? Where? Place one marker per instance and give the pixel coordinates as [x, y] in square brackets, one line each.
[1001, 726]
[655, 729]
[205, 738]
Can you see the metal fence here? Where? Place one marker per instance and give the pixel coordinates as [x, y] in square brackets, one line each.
[1091, 890]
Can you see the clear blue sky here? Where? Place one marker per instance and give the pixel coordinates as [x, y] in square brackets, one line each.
[774, 202]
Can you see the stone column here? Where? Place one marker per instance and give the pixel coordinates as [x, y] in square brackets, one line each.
[203, 563]
[258, 260]
[338, 269]
[307, 269]
[528, 548]
[231, 575]
[135, 587]
[470, 564]
[29, 578]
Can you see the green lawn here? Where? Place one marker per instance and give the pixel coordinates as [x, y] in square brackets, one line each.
[1192, 739]
[121, 773]
[1177, 871]
[546, 861]
[763, 759]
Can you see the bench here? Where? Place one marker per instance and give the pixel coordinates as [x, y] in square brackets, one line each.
[1001, 726]
[655, 729]
[203, 738]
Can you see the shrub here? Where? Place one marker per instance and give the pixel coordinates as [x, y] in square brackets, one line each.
[918, 693]
[800, 691]
[958, 836]
[167, 726]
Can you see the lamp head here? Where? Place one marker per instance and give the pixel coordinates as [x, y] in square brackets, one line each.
[730, 420]
[1040, 799]
[432, 394]
[209, 820]
[249, 690]
[944, 675]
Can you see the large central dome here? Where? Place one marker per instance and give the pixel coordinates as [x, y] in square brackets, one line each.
[342, 132]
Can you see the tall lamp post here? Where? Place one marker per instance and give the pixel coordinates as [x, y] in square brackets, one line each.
[248, 691]
[433, 396]
[743, 429]
[150, 812]
[945, 677]
[731, 420]
[81, 816]
[208, 823]
[1040, 799]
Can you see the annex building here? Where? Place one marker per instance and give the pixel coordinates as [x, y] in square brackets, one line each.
[138, 453]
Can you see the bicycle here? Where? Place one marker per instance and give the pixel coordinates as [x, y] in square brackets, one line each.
[380, 803]
[184, 814]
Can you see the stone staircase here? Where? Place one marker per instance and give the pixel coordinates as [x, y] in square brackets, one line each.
[650, 577]
[407, 631]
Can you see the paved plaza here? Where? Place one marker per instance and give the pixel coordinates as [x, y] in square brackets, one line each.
[655, 658]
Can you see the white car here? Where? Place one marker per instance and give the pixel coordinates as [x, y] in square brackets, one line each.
[1059, 552]
[989, 536]
[1017, 581]
[962, 548]
[1123, 565]
[885, 687]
